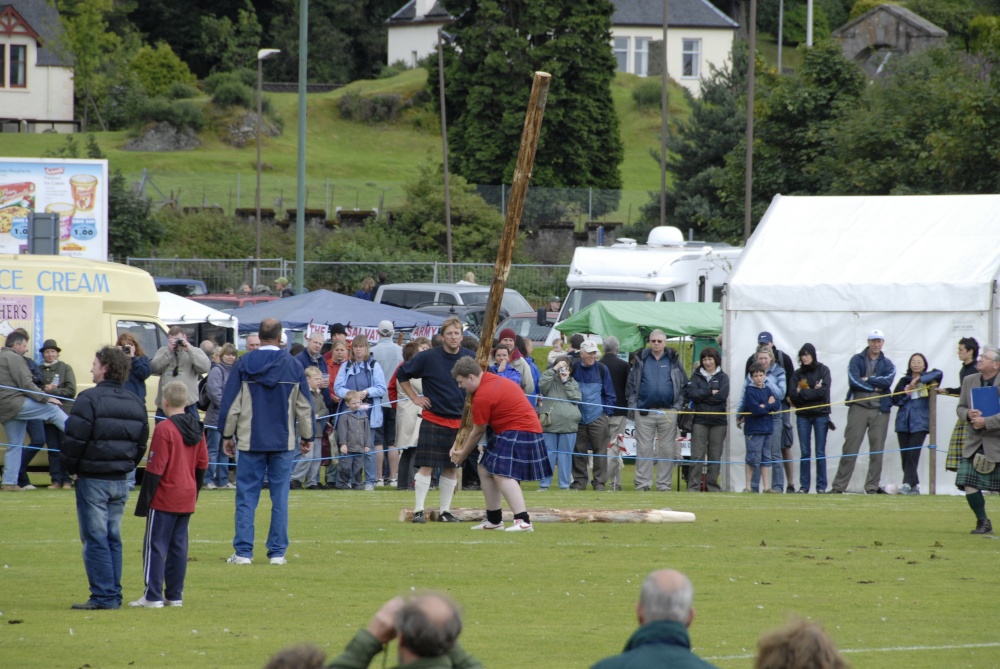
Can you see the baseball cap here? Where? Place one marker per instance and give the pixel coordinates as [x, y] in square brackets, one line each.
[281, 279]
[589, 346]
[385, 328]
[765, 338]
[876, 334]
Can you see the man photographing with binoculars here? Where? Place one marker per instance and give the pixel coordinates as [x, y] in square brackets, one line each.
[179, 361]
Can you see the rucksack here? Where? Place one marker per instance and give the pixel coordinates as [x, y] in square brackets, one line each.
[204, 401]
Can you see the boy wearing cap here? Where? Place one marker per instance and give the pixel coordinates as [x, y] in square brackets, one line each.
[389, 355]
[869, 375]
[58, 379]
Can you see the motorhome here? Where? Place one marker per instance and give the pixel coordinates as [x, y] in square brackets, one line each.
[666, 269]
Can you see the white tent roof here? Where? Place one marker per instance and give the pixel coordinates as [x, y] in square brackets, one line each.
[177, 310]
[871, 253]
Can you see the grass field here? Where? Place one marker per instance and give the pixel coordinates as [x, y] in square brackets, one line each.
[897, 581]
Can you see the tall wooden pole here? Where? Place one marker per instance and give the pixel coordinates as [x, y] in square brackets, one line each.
[511, 224]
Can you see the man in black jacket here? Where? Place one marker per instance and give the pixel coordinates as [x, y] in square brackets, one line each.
[105, 439]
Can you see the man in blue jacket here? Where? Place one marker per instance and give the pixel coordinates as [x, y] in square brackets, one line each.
[665, 613]
[266, 396]
[869, 377]
[596, 407]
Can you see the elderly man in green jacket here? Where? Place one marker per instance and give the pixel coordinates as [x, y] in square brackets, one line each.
[665, 613]
[426, 629]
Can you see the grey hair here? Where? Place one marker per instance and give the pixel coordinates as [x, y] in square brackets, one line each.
[993, 350]
[424, 630]
[611, 344]
[658, 331]
[658, 603]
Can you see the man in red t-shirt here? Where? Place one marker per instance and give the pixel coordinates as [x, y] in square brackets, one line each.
[175, 471]
[514, 450]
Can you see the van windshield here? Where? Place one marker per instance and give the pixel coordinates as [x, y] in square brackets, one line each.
[580, 298]
[512, 301]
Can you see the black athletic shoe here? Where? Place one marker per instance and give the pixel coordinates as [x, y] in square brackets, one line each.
[296, 485]
[446, 517]
[418, 517]
[983, 526]
[92, 606]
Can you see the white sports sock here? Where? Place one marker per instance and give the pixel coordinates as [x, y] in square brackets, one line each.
[447, 491]
[421, 485]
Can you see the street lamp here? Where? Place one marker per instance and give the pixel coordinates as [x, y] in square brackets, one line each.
[262, 55]
[444, 148]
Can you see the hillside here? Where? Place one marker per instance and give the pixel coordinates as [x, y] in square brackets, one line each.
[349, 164]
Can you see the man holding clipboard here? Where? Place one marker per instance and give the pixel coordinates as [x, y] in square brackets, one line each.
[979, 405]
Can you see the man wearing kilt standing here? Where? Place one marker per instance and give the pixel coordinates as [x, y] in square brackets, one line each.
[978, 471]
[442, 404]
[514, 450]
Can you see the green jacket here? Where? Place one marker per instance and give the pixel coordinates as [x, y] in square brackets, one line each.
[564, 417]
[661, 643]
[364, 647]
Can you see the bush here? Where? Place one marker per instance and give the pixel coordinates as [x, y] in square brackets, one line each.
[213, 81]
[234, 94]
[124, 104]
[159, 68]
[182, 91]
[372, 109]
[795, 25]
[179, 114]
[647, 95]
[397, 67]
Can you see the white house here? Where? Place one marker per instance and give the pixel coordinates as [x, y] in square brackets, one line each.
[698, 35]
[36, 77]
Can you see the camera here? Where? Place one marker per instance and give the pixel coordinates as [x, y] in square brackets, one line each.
[127, 348]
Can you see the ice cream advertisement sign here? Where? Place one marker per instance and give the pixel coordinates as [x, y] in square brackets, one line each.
[74, 190]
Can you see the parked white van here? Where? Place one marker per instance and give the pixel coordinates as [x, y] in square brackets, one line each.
[410, 295]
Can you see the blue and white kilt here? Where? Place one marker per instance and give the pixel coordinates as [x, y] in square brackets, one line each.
[518, 455]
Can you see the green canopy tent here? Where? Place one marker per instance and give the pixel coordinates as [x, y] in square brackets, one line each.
[631, 322]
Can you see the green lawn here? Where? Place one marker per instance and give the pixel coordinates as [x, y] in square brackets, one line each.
[898, 581]
[351, 165]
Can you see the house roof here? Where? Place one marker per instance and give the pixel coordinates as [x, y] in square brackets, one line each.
[43, 20]
[903, 14]
[686, 13]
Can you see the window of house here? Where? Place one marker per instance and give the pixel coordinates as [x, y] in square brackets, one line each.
[3, 67]
[641, 56]
[620, 48]
[691, 59]
[18, 66]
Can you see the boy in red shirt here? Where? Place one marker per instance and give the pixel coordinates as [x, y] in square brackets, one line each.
[515, 450]
[175, 471]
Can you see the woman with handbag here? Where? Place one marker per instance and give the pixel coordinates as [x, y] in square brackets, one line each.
[708, 390]
[560, 418]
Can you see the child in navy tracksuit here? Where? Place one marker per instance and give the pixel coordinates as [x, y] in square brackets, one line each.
[760, 404]
[354, 438]
[175, 472]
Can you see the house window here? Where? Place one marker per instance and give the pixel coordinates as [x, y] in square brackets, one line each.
[18, 66]
[691, 57]
[620, 47]
[3, 67]
[641, 56]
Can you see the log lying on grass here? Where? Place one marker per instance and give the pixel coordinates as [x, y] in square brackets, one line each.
[567, 515]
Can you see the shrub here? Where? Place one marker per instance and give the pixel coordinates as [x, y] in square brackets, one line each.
[234, 94]
[159, 68]
[647, 95]
[397, 67]
[182, 91]
[213, 81]
[124, 104]
[179, 114]
[372, 109]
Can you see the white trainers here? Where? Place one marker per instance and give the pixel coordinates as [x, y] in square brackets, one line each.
[520, 526]
[280, 559]
[175, 602]
[144, 603]
[379, 483]
[210, 486]
[28, 487]
[236, 559]
[487, 525]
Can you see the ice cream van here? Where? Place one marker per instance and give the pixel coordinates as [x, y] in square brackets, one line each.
[83, 305]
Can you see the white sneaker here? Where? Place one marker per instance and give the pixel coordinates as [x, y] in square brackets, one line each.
[369, 487]
[393, 483]
[379, 483]
[487, 525]
[520, 526]
[144, 603]
[210, 486]
[229, 486]
[236, 559]
[280, 559]
[175, 602]
[28, 487]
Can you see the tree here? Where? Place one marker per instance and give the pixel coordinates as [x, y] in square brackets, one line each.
[229, 45]
[795, 126]
[159, 68]
[498, 46]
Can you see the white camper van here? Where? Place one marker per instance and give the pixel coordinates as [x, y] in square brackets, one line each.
[665, 269]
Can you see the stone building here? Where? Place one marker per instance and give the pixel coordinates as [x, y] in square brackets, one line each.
[886, 31]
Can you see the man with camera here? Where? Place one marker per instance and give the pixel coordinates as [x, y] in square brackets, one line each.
[180, 361]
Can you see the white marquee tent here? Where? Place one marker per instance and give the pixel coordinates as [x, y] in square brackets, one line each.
[827, 270]
[201, 321]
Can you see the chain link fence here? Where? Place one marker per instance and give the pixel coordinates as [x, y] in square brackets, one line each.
[537, 283]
